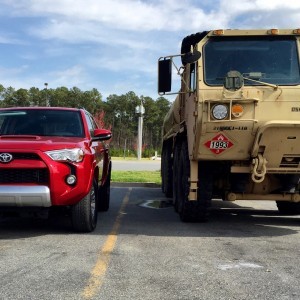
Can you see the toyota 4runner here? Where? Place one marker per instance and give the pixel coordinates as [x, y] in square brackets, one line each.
[54, 157]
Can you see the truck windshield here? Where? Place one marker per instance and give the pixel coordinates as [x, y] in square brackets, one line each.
[268, 59]
[41, 122]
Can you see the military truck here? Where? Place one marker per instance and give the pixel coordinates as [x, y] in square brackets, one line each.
[233, 131]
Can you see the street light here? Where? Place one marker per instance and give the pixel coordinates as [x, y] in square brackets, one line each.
[140, 110]
[46, 87]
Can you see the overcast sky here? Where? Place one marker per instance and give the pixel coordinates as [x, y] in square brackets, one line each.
[113, 45]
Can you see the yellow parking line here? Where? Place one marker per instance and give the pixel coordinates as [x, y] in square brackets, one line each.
[98, 272]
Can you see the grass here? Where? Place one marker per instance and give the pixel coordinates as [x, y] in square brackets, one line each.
[127, 158]
[136, 176]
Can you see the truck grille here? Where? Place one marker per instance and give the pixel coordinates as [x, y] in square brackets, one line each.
[290, 162]
[37, 176]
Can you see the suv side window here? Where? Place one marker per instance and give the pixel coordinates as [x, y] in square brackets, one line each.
[91, 123]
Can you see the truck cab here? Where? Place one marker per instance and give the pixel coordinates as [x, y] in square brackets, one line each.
[234, 126]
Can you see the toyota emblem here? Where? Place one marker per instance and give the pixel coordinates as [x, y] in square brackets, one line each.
[5, 157]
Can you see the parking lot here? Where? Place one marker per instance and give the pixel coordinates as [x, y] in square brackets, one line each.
[140, 250]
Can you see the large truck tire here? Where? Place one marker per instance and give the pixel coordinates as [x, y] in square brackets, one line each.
[167, 170]
[192, 211]
[288, 208]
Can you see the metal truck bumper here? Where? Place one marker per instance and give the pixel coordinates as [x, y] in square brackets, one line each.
[264, 197]
[38, 196]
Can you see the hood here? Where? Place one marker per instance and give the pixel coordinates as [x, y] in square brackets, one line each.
[42, 143]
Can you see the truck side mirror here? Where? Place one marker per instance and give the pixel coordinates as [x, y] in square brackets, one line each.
[190, 57]
[164, 75]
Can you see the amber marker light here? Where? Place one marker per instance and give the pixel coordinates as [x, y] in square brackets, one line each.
[237, 110]
[218, 32]
[273, 31]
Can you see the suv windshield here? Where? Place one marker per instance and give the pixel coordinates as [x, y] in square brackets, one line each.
[269, 59]
[41, 122]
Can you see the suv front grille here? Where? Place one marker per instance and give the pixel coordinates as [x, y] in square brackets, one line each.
[37, 176]
[30, 156]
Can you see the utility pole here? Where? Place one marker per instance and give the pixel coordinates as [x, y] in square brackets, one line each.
[140, 110]
[46, 87]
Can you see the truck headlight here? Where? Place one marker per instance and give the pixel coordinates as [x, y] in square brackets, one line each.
[219, 111]
[73, 155]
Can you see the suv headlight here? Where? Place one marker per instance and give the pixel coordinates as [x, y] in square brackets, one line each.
[219, 111]
[73, 155]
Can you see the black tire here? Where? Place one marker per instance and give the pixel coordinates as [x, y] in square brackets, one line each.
[288, 208]
[162, 169]
[84, 214]
[176, 175]
[193, 211]
[167, 170]
[104, 194]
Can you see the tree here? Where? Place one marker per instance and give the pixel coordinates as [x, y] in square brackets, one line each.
[116, 113]
[155, 112]
[59, 97]
[120, 112]
[35, 97]
[15, 98]
[2, 91]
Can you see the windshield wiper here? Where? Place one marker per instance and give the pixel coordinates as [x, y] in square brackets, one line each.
[258, 75]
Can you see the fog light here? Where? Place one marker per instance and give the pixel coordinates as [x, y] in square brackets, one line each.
[71, 179]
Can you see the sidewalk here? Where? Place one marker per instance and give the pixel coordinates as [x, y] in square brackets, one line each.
[136, 165]
[135, 184]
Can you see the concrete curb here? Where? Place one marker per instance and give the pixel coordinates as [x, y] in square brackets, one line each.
[135, 184]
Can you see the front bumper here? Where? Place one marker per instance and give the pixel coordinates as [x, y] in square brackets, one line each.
[38, 196]
[39, 181]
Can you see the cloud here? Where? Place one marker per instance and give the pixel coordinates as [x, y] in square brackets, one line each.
[119, 14]
[254, 14]
[144, 16]
[114, 45]
[128, 23]
[12, 71]
[80, 32]
[17, 78]
[128, 15]
[10, 40]
[72, 76]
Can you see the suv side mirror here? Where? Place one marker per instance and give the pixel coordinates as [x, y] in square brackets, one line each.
[164, 75]
[102, 135]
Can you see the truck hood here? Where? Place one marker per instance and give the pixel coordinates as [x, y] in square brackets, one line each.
[42, 143]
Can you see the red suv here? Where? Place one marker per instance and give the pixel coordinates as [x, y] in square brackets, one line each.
[54, 157]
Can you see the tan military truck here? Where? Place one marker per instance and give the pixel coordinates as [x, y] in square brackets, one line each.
[233, 131]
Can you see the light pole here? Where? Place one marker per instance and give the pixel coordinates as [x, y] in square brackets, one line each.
[46, 87]
[140, 110]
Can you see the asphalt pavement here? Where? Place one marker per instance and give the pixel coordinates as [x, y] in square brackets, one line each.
[141, 250]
